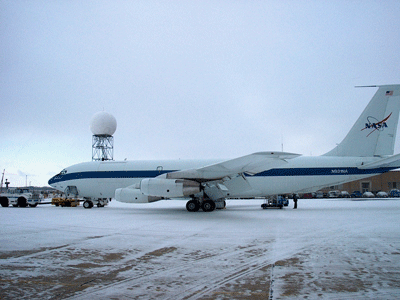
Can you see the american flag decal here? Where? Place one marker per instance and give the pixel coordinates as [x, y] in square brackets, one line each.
[389, 93]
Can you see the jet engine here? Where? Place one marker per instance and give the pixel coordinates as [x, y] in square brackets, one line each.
[169, 188]
[132, 195]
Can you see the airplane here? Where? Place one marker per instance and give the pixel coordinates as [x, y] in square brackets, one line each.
[366, 150]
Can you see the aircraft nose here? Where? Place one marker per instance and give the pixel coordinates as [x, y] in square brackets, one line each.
[53, 180]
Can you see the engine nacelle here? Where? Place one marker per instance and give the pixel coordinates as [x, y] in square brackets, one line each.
[169, 188]
[132, 195]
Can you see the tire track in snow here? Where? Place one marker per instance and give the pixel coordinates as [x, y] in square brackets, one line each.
[196, 291]
[202, 277]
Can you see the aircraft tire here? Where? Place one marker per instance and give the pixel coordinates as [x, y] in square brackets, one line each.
[192, 206]
[88, 204]
[33, 205]
[208, 205]
[4, 201]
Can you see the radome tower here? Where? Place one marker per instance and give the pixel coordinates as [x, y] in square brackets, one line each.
[103, 125]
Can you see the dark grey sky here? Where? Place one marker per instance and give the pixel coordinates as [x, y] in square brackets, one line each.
[194, 79]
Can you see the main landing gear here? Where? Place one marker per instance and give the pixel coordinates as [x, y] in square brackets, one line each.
[206, 205]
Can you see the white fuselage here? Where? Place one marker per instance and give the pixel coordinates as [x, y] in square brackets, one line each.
[100, 179]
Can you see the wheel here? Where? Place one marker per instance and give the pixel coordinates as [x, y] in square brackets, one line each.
[100, 203]
[208, 206]
[21, 202]
[192, 205]
[219, 205]
[33, 205]
[88, 204]
[4, 201]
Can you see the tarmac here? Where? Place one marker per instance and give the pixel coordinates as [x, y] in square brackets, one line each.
[325, 249]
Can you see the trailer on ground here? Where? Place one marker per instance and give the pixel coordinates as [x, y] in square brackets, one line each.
[275, 202]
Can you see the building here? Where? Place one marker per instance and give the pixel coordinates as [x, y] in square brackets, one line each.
[384, 182]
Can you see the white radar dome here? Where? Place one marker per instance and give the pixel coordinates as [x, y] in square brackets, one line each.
[103, 123]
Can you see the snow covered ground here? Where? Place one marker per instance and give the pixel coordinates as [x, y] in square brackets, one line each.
[326, 249]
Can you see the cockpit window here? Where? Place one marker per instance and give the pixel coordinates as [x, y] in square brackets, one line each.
[63, 172]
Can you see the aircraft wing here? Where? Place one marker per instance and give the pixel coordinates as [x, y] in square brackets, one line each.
[250, 164]
[218, 180]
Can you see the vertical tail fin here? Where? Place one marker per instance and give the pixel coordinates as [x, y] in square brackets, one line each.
[374, 132]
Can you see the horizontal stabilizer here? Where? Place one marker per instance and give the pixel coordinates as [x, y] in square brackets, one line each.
[250, 164]
[392, 161]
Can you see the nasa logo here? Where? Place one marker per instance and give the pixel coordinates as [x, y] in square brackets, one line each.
[374, 124]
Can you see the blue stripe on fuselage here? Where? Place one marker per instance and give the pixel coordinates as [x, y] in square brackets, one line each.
[321, 171]
[269, 173]
[106, 175]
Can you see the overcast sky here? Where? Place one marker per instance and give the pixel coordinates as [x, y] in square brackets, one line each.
[186, 79]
